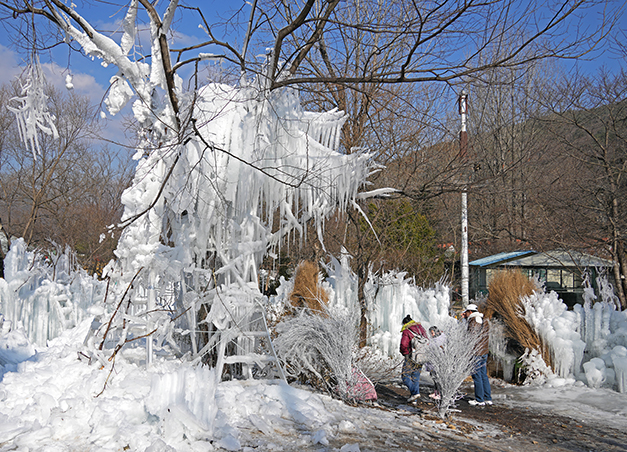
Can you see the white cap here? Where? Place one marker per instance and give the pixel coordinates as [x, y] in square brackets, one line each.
[471, 307]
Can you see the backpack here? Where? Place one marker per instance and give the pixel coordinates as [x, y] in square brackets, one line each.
[418, 345]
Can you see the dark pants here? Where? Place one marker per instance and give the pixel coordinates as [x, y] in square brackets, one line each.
[483, 392]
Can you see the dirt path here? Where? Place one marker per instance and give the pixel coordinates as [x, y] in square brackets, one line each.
[500, 427]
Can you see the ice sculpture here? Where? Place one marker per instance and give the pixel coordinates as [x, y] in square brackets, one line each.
[200, 215]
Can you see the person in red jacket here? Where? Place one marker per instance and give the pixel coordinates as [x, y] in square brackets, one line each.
[410, 375]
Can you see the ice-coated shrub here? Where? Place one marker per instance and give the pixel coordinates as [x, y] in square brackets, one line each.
[452, 362]
[320, 348]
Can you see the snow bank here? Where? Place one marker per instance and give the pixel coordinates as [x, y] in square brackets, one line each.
[55, 400]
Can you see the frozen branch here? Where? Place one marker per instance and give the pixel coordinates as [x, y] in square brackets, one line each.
[452, 362]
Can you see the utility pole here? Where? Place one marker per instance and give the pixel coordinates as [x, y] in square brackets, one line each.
[150, 307]
[463, 144]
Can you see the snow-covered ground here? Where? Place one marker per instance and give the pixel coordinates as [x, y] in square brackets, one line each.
[54, 401]
[52, 398]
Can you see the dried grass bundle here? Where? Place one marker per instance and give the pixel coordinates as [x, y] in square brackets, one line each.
[307, 292]
[504, 300]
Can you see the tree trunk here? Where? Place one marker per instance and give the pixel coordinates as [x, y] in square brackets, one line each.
[362, 274]
[620, 269]
[616, 255]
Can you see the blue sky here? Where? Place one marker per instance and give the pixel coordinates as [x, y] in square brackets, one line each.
[92, 74]
[90, 78]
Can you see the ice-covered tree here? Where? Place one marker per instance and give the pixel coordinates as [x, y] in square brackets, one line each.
[217, 161]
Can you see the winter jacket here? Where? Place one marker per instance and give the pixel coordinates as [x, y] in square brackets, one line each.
[407, 335]
[477, 325]
[438, 341]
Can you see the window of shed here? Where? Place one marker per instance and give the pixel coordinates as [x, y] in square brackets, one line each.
[568, 279]
[553, 277]
[539, 273]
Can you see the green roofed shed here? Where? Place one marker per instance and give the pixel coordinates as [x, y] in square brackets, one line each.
[559, 270]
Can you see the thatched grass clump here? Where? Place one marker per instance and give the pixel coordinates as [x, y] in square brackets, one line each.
[307, 291]
[504, 300]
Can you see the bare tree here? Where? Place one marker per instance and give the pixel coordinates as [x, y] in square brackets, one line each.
[584, 194]
[317, 41]
[507, 149]
[68, 192]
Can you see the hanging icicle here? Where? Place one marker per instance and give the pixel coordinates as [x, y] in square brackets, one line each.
[32, 109]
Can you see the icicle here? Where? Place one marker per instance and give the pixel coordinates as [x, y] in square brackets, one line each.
[32, 109]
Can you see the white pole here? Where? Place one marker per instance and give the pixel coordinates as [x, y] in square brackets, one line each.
[150, 306]
[463, 141]
[464, 256]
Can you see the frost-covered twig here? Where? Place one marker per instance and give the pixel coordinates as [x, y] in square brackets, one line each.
[106, 380]
[321, 346]
[452, 362]
[104, 337]
[119, 346]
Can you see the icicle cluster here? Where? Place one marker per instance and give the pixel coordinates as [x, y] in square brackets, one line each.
[32, 110]
[557, 327]
[498, 349]
[395, 298]
[342, 284]
[46, 293]
[604, 329]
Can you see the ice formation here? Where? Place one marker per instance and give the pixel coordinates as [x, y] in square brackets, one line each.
[619, 359]
[200, 215]
[215, 166]
[31, 109]
[557, 327]
[390, 297]
[498, 349]
[583, 342]
[46, 294]
[595, 371]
